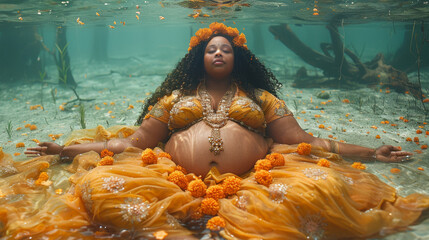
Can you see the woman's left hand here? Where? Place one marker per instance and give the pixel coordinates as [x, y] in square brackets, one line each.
[389, 153]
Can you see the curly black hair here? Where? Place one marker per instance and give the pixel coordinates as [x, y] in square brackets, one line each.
[248, 72]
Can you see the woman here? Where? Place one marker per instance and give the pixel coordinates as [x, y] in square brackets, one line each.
[218, 114]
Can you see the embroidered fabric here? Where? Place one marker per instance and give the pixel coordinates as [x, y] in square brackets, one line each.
[182, 111]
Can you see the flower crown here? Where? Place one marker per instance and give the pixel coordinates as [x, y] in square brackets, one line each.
[204, 34]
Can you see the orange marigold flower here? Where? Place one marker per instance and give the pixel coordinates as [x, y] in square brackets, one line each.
[160, 235]
[149, 156]
[20, 144]
[215, 192]
[240, 40]
[179, 179]
[418, 131]
[276, 159]
[218, 28]
[420, 168]
[215, 223]
[203, 34]
[263, 164]
[425, 146]
[231, 185]
[182, 169]
[33, 127]
[395, 170]
[263, 177]
[43, 176]
[197, 188]
[416, 139]
[324, 162]
[346, 100]
[359, 165]
[106, 152]
[164, 154]
[233, 32]
[409, 139]
[107, 160]
[304, 149]
[209, 206]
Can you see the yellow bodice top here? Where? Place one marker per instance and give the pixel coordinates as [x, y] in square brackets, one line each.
[181, 112]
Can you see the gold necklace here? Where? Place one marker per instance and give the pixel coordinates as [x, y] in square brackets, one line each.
[215, 120]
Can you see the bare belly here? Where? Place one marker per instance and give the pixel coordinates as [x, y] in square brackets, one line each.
[242, 148]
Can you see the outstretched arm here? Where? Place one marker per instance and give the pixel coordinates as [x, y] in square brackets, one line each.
[286, 130]
[149, 134]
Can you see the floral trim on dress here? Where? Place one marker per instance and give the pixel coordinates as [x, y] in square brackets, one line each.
[113, 184]
[134, 210]
[348, 180]
[282, 110]
[258, 95]
[246, 102]
[7, 170]
[313, 226]
[86, 195]
[315, 173]
[242, 202]
[278, 192]
[157, 110]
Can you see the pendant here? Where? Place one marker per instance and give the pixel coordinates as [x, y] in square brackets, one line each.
[216, 143]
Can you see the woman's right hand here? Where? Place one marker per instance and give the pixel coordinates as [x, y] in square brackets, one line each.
[44, 148]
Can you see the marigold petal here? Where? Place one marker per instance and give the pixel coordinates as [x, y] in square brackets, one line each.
[179, 179]
[263, 177]
[304, 149]
[197, 188]
[149, 156]
[263, 164]
[215, 223]
[231, 185]
[209, 206]
[215, 192]
[276, 159]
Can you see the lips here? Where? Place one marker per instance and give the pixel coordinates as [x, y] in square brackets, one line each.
[218, 61]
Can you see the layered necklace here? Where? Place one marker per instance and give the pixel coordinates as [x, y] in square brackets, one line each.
[215, 120]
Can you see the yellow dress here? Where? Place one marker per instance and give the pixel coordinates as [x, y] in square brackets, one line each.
[132, 198]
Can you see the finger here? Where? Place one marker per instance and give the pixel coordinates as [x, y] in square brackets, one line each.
[31, 152]
[396, 148]
[403, 158]
[34, 149]
[401, 153]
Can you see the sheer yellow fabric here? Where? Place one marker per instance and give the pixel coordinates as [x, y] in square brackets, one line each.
[131, 199]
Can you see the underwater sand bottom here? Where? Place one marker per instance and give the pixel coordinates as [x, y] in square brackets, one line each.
[118, 96]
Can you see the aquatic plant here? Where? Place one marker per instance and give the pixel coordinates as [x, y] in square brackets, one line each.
[82, 116]
[295, 104]
[374, 106]
[54, 95]
[9, 129]
[42, 82]
[62, 66]
[418, 52]
[360, 102]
